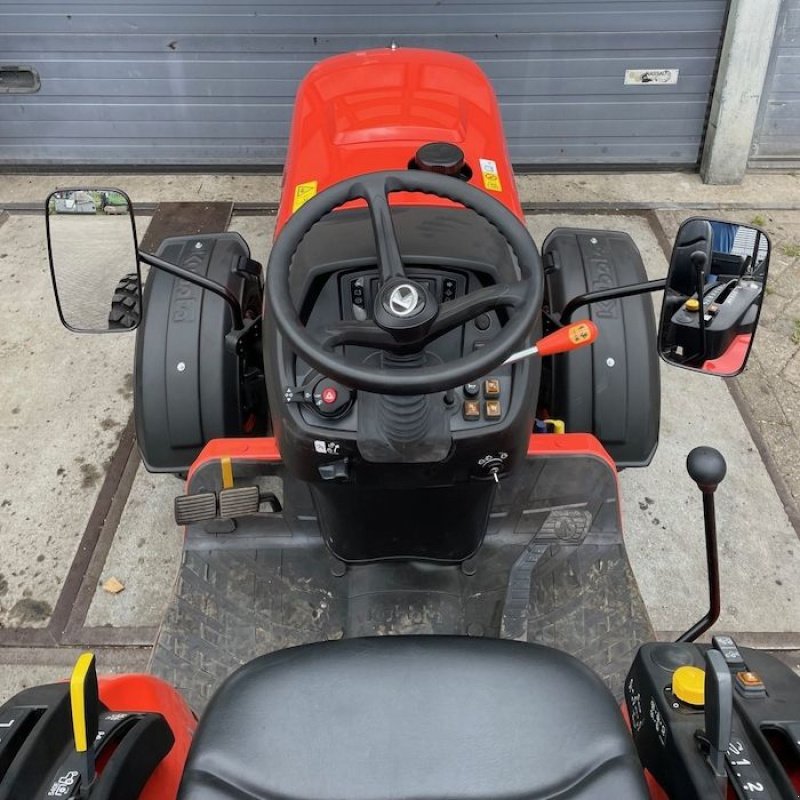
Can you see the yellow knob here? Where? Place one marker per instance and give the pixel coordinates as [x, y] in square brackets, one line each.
[692, 304]
[689, 685]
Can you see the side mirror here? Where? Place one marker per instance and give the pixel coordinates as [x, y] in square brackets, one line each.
[91, 243]
[713, 296]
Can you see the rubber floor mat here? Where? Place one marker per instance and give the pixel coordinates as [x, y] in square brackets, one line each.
[551, 571]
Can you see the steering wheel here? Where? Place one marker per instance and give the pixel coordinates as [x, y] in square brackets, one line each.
[406, 315]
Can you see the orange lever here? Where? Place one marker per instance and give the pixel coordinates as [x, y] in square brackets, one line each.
[573, 336]
[579, 334]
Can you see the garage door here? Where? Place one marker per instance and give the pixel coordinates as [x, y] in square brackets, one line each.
[211, 83]
[777, 139]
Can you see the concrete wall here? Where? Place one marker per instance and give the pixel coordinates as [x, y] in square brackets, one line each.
[742, 74]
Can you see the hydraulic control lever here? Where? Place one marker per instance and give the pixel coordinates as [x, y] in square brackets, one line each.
[700, 261]
[719, 714]
[570, 337]
[707, 468]
[85, 705]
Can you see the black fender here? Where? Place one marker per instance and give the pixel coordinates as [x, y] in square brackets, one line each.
[613, 388]
[189, 385]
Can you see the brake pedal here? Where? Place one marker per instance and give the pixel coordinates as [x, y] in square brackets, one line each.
[192, 508]
[241, 501]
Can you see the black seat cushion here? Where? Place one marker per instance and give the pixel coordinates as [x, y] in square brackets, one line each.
[417, 717]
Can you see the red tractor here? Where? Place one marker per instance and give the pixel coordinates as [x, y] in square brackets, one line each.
[403, 535]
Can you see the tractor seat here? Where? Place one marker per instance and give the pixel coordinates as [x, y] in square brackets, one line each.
[419, 717]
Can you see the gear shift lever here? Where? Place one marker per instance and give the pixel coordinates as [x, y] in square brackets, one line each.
[707, 468]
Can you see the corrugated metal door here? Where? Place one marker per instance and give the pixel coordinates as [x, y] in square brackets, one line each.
[777, 139]
[211, 83]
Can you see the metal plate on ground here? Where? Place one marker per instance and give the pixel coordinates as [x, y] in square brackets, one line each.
[185, 219]
[241, 595]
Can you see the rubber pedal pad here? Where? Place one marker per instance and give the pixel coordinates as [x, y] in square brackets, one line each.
[192, 508]
[241, 501]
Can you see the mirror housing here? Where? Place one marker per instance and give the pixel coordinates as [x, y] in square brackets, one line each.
[713, 296]
[94, 266]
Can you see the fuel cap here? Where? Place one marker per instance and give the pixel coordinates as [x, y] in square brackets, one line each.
[689, 685]
[442, 157]
[692, 304]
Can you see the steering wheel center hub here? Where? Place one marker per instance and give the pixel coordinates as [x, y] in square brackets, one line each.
[403, 300]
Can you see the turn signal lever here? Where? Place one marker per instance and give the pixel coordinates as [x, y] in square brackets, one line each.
[707, 468]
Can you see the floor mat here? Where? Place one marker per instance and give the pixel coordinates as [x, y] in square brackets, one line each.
[553, 571]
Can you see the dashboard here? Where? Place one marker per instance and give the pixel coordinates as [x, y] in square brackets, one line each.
[351, 296]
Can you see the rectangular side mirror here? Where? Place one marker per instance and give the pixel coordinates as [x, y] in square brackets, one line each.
[91, 243]
[713, 295]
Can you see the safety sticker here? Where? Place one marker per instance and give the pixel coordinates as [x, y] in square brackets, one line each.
[579, 333]
[491, 178]
[327, 448]
[303, 192]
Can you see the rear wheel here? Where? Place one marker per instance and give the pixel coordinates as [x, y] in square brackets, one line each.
[126, 309]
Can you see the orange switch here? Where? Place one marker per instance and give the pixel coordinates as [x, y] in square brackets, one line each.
[491, 388]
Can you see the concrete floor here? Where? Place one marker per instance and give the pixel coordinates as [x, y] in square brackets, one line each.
[66, 397]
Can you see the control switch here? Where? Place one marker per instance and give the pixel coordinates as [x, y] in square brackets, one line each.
[331, 399]
[749, 684]
[472, 410]
[491, 388]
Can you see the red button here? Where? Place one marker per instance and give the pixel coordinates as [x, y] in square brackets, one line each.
[329, 395]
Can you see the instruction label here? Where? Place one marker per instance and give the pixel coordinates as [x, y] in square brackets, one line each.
[579, 333]
[303, 192]
[491, 178]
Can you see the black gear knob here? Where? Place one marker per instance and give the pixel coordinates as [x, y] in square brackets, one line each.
[706, 467]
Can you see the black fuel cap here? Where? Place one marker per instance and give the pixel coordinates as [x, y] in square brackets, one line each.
[442, 157]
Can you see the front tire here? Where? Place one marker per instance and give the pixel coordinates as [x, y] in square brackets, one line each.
[126, 308]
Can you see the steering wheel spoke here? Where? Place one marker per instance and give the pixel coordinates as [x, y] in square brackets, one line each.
[390, 263]
[460, 311]
[355, 332]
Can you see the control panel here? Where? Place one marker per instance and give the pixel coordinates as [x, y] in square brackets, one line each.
[683, 698]
[325, 403]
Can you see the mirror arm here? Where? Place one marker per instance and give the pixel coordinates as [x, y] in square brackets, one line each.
[198, 280]
[616, 293]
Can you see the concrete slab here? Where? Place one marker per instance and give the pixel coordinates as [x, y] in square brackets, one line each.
[760, 553]
[145, 554]
[23, 668]
[770, 385]
[65, 399]
[652, 189]
[760, 568]
[144, 557]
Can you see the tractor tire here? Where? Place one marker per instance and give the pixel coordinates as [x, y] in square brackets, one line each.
[126, 309]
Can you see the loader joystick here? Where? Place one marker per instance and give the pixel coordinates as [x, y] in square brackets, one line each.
[707, 468]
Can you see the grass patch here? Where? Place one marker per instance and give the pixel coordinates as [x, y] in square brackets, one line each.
[759, 220]
[796, 332]
[791, 250]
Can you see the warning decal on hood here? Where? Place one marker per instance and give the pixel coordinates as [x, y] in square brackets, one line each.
[491, 180]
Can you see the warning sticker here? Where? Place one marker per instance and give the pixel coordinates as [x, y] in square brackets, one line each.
[579, 333]
[491, 178]
[303, 192]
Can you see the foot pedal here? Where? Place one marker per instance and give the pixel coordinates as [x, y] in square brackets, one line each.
[192, 508]
[239, 502]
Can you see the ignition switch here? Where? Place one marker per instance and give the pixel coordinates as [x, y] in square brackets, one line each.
[493, 465]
